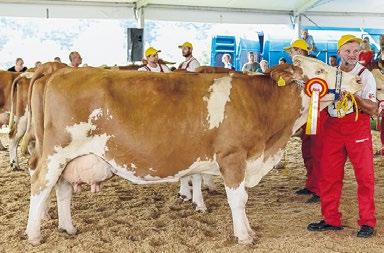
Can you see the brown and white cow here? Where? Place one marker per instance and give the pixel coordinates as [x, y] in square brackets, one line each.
[173, 126]
[6, 79]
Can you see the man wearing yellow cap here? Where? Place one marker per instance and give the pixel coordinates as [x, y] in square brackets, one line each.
[190, 63]
[348, 137]
[298, 47]
[153, 65]
[310, 145]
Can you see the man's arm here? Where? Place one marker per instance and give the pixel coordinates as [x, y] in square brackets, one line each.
[367, 106]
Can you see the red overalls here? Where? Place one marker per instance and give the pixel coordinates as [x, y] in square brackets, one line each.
[342, 138]
[311, 147]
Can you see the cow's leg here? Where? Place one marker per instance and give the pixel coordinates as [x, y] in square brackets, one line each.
[197, 195]
[14, 140]
[64, 195]
[38, 204]
[185, 190]
[233, 170]
[208, 182]
[40, 193]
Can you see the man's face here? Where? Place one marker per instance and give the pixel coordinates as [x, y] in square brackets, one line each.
[20, 63]
[332, 61]
[349, 53]
[304, 34]
[76, 60]
[186, 51]
[154, 58]
[297, 51]
[251, 57]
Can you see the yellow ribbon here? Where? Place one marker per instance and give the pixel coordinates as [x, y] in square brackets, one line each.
[342, 106]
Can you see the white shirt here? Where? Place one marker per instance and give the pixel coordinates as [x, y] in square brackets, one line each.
[192, 64]
[368, 91]
[157, 69]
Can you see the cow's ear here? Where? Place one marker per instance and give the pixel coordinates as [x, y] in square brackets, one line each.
[282, 72]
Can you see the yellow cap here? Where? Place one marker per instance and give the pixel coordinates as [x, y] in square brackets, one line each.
[299, 43]
[347, 38]
[186, 44]
[151, 51]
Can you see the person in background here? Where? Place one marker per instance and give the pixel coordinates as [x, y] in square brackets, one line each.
[37, 64]
[332, 60]
[75, 59]
[190, 64]
[311, 146]
[282, 60]
[366, 54]
[152, 62]
[226, 59]
[310, 41]
[263, 67]
[379, 56]
[57, 59]
[19, 66]
[252, 65]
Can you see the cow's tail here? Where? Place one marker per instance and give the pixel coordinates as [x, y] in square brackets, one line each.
[11, 123]
[27, 136]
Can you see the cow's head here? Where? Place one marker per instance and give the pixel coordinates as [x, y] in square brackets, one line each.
[313, 68]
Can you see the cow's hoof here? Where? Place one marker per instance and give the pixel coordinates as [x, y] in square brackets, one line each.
[199, 209]
[14, 166]
[35, 241]
[70, 231]
[183, 197]
[246, 241]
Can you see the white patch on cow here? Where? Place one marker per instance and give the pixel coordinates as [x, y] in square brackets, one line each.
[199, 167]
[258, 167]
[81, 144]
[220, 92]
[300, 121]
[237, 199]
[133, 166]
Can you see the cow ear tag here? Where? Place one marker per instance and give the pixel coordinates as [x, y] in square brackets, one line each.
[281, 82]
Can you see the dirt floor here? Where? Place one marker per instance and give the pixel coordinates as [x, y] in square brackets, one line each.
[131, 218]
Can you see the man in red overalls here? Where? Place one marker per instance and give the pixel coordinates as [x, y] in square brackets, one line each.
[310, 145]
[347, 138]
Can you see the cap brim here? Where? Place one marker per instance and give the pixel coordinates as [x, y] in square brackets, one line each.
[358, 40]
[287, 48]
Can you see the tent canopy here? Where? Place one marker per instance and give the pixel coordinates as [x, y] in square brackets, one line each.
[335, 13]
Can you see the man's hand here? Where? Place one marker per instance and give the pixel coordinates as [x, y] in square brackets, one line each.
[367, 106]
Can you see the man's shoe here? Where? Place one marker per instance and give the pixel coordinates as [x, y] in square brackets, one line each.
[304, 191]
[366, 231]
[313, 199]
[322, 226]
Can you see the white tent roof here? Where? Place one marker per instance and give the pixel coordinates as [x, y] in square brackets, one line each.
[342, 13]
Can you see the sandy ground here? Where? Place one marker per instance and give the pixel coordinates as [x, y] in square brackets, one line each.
[130, 218]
